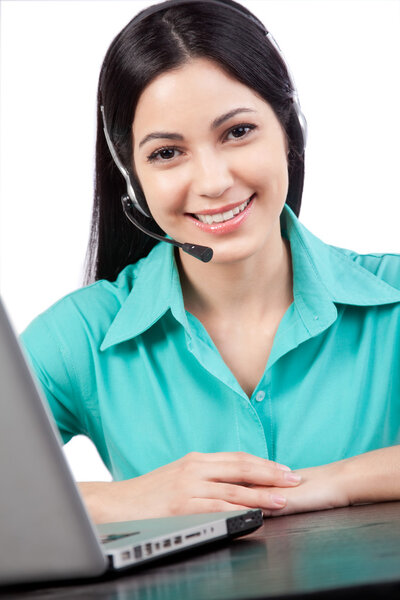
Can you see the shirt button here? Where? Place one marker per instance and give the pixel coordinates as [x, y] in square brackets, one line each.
[260, 396]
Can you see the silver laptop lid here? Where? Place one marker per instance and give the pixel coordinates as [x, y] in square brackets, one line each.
[45, 531]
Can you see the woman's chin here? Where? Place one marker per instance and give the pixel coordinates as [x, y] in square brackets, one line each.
[230, 253]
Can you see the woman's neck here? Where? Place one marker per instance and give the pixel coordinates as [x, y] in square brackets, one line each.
[261, 285]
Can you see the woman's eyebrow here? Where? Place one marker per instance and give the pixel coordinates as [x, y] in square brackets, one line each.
[177, 136]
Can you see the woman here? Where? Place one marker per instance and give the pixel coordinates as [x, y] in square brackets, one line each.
[204, 385]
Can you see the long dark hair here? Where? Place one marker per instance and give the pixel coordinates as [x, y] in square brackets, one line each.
[149, 45]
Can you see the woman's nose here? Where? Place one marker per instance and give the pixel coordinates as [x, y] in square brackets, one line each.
[211, 176]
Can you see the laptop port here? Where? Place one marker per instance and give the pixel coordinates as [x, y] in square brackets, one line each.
[190, 535]
[167, 543]
[148, 549]
[178, 539]
[125, 554]
[138, 551]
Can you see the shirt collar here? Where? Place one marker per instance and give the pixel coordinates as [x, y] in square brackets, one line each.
[156, 289]
[334, 269]
[322, 276]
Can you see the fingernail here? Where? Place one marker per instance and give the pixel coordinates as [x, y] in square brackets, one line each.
[293, 477]
[282, 467]
[278, 500]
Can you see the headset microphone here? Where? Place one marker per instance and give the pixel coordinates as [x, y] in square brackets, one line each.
[203, 253]
[130, 203]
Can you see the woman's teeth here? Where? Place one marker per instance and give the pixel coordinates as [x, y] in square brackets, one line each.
[225, 216]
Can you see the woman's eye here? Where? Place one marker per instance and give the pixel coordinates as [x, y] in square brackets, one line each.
[240, 130]
[169, 152]
[163, 154]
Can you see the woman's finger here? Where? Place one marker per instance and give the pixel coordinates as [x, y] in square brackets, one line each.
[205, 505]
[236, 456]
[240, 495]
[246, 472]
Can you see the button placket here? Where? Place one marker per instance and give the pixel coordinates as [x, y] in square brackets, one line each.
[261, 402]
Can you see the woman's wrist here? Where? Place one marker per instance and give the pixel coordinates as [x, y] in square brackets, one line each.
[333, 484]
[96, 496]
[345, 480]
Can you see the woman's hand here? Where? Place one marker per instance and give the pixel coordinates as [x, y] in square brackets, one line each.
[321, 488]
[196, 483]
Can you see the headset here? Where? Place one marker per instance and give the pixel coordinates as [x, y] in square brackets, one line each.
[129, 201]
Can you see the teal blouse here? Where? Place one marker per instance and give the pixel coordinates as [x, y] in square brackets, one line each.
[125, 364]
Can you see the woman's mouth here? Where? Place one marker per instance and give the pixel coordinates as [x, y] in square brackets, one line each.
[222, 217]
[223, 222]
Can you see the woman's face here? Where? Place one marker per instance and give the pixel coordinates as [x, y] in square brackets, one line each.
[211, 157]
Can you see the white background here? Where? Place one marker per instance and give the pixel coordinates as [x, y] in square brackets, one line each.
[344, 58]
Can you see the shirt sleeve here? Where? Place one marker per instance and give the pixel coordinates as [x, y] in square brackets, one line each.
[51, 363]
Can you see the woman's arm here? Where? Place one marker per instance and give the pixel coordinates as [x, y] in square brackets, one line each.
[366, 478]
[234, 480]
[196, 483]
[374, 476]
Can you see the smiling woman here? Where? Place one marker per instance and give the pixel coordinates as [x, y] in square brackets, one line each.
[210, 382]
[253, 71]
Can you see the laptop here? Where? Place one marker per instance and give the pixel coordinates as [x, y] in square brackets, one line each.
[45, 531]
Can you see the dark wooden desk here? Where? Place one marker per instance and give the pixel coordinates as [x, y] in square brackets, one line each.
[343, 553]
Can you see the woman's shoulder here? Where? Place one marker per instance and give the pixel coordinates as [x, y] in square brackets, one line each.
[87, 311]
